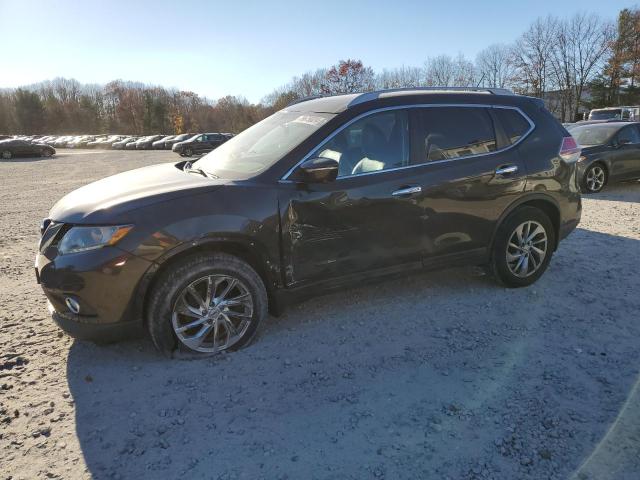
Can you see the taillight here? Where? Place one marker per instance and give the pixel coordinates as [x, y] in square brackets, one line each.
[569, 150]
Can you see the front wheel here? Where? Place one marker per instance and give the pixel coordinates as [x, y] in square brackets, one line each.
[45, 153]
[523, 247]
[206, 304]
[188, 152]
[6, 154]
[595, 178]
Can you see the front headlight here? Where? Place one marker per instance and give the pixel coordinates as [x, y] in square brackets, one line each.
[81, 239]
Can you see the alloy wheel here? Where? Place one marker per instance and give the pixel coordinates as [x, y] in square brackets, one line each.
[527, 249]
[6, 155]
[595, 178]
[212, 313]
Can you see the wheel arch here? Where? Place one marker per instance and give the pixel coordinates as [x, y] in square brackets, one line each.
[605, 164]
[246, 249]
[541, 201]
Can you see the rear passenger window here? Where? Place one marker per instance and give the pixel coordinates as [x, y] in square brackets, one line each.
[455, 132]
[513, 123]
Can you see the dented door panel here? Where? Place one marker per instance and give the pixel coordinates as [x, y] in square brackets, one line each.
[348, 226]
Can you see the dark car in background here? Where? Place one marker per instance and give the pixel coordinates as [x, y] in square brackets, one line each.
[133, 143]
[21, 148]
[610, 153]
[327, 192]
[200, 143]
[168, 144]
[121, 144]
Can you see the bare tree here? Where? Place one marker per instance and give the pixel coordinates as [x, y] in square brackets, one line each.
[532, 57]
[592, 39]
[494, 66]
[580, 46]
[445, 70]
[402, 77]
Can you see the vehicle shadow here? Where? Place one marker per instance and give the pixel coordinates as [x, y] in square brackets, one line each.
[27, 159]
[408, 377]
[619, 192]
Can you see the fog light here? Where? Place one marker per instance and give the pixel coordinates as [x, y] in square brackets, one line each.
[72, 305]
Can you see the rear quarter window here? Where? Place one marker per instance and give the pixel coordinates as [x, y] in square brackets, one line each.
[514, 125]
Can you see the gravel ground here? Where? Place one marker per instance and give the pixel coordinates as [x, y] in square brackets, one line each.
[439, 375]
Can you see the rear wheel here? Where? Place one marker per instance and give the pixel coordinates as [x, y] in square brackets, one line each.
[206, 304]
[595, 178]
[523, 247]
[6, 154]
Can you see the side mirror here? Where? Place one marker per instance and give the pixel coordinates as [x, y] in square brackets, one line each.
[317, 170]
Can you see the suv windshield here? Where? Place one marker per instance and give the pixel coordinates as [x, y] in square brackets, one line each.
[593, 134]
[260, 146]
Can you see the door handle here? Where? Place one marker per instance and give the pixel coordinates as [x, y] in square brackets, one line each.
[506, 169]
[403, 192]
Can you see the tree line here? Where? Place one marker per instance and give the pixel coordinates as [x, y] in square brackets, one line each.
[582, 61]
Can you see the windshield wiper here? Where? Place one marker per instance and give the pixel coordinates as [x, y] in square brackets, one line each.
[189, 168]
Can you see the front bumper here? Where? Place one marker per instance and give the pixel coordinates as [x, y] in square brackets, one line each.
[103, 282]
[83, 328]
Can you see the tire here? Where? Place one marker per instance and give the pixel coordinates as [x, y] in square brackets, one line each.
[595, 178]
[188, 152]
[506, 260]
[6, 155]
[171, 296]
[45, 153]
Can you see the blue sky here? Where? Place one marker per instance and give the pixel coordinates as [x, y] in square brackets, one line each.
[250, 47]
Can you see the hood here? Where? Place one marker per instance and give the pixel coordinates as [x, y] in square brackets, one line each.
[108, 200]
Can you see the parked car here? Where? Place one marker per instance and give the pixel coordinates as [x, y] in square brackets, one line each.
[81, 141]
[159, 144]
[168, 144]
[324, 193]
[610, 152]
[22, 148]
[104, 141]
[615, 113]
[61, 142]
[199, 144]
[121, 144]
[132, 144]
[147, 142]
[96, 142]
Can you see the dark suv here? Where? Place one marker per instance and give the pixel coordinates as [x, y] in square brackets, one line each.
[199, 144]
[326, 192]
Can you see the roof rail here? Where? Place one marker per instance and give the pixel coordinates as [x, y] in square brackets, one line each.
[368, 96]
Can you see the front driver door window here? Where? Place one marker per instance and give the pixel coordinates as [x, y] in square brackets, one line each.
[373, 143]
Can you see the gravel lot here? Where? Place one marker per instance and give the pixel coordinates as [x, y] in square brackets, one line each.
[440, 375]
